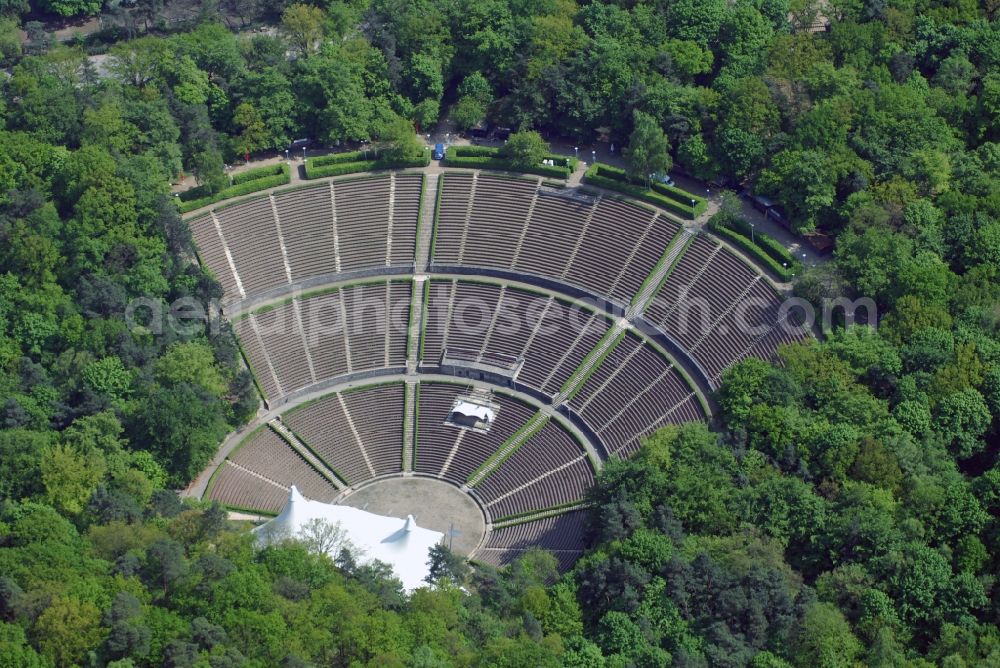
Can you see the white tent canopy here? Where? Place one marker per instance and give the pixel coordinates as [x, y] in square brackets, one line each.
[396, 541]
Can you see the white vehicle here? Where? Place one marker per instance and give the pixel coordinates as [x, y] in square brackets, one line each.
[661, 178]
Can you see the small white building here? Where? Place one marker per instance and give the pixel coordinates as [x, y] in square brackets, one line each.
[396, 541]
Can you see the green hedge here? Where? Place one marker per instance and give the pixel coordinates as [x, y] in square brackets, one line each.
[614, 178]
[494, 152]
[281, 177]
[338, 158]
[488, 157]
[764, 255]
[260, 173]
[499, 164]
[680, 196]
[593, 178]
[337, 164]
[473, 151]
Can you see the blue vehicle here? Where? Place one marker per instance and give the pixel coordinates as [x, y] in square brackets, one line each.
[438, 153]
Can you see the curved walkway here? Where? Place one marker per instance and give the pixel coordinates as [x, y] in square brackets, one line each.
[652, 335]
[197, 488]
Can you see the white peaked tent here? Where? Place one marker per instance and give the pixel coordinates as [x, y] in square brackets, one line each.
[396, 541]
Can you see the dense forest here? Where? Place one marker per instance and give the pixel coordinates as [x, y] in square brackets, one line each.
[844, 508]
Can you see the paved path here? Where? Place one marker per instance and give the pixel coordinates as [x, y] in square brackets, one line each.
[197, 487]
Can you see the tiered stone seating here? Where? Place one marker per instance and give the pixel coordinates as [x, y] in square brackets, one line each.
[551, 335]
[212, 254]
[554, 229]
[528, 480]
[719, 309]
[306, 217]
[252, 237]
[377, 320]
[435, 449]
[236, 488]
[611, 247]
[365, 223]
[374, 414]
[633, 393]
[269, 456]
[562, 534]
[674, 292]
[452, 210]
[325, 333]
[607, 247]
[495, 228]
[405, 215]
[712, 304]
[378, 416]
[362, 222]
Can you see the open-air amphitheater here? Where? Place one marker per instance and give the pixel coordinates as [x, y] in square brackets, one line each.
[368, 308]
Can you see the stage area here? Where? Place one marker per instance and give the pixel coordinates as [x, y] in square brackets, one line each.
[434, 504]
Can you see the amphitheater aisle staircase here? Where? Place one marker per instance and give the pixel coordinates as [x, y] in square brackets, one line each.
[409, 423]
[426, 232]
[655, 280]
[541, 514]
[307, 454]
[508, 448]
[416, 324]
[595, 357]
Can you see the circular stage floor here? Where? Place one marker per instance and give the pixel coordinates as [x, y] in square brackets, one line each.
[434, 504]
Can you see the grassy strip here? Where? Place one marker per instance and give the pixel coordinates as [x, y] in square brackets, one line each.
[335, 472]
[423, 318]
[211, 479]
[437, 214]
[313, 451]
[761, 247]
[402, 452]
[659, 265]
[597, 363]
[528, 515]
[416, 427]
[253, 372]
[527, 430]
[420, 217]
[244, 440]
[412, 321]
[335, 165]
[244, 187]
[249, 511]
[608, 177]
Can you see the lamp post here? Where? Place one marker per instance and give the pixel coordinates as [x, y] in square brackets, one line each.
[576, 151]
[593, 154]
[753, 239]
[286, 155]
[303, 154]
